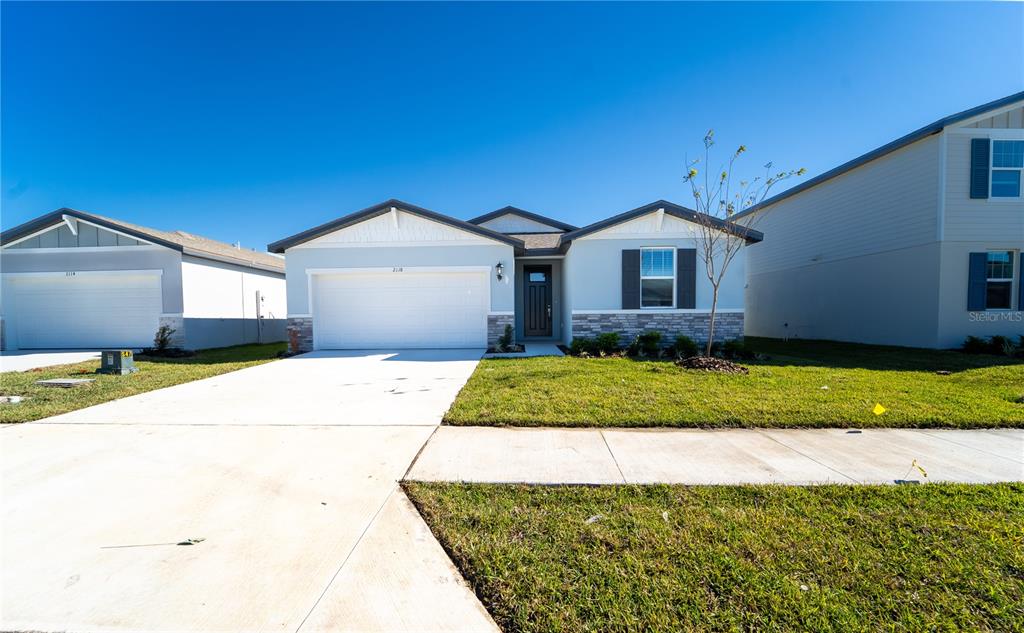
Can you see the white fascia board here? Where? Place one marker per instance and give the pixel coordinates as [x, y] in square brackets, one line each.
[72, 225]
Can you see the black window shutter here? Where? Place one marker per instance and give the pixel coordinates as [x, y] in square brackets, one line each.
[686, 278]
[980, 148]
[631, 279]
[977, 281]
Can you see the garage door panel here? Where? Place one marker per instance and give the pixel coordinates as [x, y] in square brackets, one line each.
[408, 309]
[86, 310]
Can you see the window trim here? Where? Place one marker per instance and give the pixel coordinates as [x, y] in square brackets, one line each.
[992, 169]
[675, 281]
[1014, 263]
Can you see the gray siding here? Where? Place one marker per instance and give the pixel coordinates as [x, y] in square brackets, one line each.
[968, 219]
[886, 298]
[88, 236]
[887, 204]
[955, 322]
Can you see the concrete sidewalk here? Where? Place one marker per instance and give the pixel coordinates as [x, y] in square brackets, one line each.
[734, 456]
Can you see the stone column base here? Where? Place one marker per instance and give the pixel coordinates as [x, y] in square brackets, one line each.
[300, 334]
[496, 327]
[177, 323]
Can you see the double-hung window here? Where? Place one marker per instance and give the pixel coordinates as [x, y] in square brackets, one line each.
[657, 277]
[999, 280]
[1007, 164]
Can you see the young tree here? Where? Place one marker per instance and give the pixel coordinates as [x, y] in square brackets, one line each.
[724, 227]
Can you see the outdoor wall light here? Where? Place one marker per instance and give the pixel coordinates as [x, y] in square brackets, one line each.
[499, 270]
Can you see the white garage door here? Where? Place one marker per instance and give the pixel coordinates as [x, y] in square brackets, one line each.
[400, 309]
[85, 309]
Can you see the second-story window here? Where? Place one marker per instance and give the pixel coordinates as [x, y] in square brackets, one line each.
[1007, 164]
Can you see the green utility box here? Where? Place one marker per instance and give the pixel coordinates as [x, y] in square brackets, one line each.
[117, 361]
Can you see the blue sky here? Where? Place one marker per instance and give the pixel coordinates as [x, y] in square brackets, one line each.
[250, 122]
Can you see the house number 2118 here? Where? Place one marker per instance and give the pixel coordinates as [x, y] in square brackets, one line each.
[397, 269]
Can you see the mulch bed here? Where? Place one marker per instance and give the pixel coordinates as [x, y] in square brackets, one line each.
[710, 363]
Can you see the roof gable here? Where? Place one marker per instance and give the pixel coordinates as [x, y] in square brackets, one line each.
[643, 220]
[186, 243]
[515, 220]
[402, 220]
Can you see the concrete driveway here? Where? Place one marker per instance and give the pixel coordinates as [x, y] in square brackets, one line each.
[284, 477]
[24, 361]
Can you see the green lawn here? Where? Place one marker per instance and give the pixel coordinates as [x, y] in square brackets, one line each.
[41, 402]
[935, 557]
[801, 384]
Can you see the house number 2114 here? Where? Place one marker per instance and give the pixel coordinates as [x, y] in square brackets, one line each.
[397, 269]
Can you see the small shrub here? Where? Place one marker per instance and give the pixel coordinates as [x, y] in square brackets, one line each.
[162, 340]
[1001, 346]
[685, 347]
[997, 345]
[607, 343]
[505, 340]
[975, 345]
[736, 349]
[646, 344]
[581, 346]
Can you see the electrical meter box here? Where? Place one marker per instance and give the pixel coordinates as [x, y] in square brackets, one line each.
[117, 361]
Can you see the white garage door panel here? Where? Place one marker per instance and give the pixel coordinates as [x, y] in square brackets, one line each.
[86, 310]
[401, 309]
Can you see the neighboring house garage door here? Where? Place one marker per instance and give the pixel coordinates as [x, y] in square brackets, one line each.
[85, 309]
[374, 310]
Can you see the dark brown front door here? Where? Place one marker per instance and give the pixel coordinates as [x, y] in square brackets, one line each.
[537, 300]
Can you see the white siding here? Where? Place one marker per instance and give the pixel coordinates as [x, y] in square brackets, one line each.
[220, 303]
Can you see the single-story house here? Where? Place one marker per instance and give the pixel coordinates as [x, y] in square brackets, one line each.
[76, 280]
[396, 275]
[916, 243]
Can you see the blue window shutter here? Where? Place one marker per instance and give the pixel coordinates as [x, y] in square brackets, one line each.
[686, 278]
[977, 282]
[631, 279]
[980, 148]
[1020, 284]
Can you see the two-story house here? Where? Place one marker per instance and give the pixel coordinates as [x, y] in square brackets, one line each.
[916, 243]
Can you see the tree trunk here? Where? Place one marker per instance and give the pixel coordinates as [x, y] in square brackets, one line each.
[711, 322]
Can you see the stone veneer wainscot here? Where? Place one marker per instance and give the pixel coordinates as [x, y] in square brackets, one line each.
[629, 323]
[496, 326]
[300, 334]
